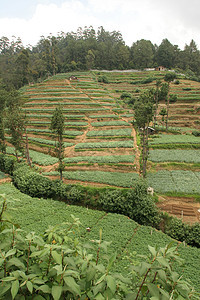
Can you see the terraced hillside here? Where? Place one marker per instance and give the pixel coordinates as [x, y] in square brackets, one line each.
[99, 140]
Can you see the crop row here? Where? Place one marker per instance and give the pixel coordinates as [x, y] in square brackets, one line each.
[174, 139]
[66, 123]
[175, 181]
[111, 178]
[64, 109]
[112, 132]
[110, 123]
[41, 116]
[99, 145]
[101, 159]
[64, 104]
[45, 130]
[47, 142]
[104, 116]
[62, 99]
[187, 156]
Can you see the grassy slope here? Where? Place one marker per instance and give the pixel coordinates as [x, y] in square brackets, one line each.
[35, 214]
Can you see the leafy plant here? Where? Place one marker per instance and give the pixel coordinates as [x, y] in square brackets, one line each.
[57, 265]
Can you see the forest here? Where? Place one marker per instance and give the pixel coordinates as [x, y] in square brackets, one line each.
[89, 49]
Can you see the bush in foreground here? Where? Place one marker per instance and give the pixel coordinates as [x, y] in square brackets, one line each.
[57, 265]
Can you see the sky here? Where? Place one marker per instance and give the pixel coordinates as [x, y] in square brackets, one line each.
[154, 20]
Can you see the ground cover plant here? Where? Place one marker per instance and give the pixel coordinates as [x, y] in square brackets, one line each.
[101, 145]
[112, 132]
[179, 181]
[111, 178]
[110, 123]
[101, 159]
[187, 156]
[126, 238]
[47, 142]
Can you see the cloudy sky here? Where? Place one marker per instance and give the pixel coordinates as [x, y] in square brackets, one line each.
[176, 20]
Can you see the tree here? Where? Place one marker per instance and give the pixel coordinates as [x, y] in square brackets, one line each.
[165, 54]
[142, 53]
[158, 84]
[57, 127]
[169, 77]
[143, 113]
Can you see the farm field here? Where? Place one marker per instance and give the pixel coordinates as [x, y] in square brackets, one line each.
[100, 141]
[127, 236]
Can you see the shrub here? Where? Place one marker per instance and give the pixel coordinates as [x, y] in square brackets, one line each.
[196, 133]
[56, 265]
[126, 95]
[173, 98]
[7, 163]
[75, 195]
[135, 204]
[31, 182]
[103, 79]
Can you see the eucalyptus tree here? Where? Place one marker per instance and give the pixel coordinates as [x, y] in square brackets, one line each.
[169, 77]
[57, 128]
[143, 114]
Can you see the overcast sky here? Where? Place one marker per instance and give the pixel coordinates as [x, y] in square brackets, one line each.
[154, 20]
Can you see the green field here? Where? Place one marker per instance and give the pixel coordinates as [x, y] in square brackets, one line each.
[34, 214]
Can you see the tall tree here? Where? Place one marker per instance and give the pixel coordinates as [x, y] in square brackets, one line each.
[143, 114]
[142, 54]
[16, 123]
[57, 127]
[169, 77]
[158, 84]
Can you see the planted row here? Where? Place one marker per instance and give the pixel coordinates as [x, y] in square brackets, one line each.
[101, 159]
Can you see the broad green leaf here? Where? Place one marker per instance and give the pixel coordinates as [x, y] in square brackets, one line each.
[152, 250]
[111, 283]
[10, 252]
[29, 286]
[38, 297]
[45, 289]
[10, 278]
[56, 292]
[162, 275]
[14, 288]
[154, 290]
[99, 297]
[111, 261]
[16, 262]
[72, 285]
[57, 257]
[163, 262]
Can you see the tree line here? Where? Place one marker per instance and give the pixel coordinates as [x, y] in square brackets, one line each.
[89, 49]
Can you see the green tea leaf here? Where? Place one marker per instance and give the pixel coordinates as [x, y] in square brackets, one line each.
[29, 286]
[14, 288]
[56, 292]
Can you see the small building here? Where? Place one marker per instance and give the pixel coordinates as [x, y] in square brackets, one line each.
[160, 68]
[72, 77]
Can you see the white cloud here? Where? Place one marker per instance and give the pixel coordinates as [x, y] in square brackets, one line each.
[135, 19]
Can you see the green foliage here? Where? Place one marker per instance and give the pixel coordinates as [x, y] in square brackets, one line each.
[103, 78]
[32, 183]
[180, 181]
[57, 265]
[99, 145]
[7, 163]
[75, 195]
[183, 232]
[196, 133]
[164, 155]
[136, 204]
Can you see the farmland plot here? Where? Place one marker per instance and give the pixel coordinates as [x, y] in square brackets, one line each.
[187, 156]
[125, 235]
